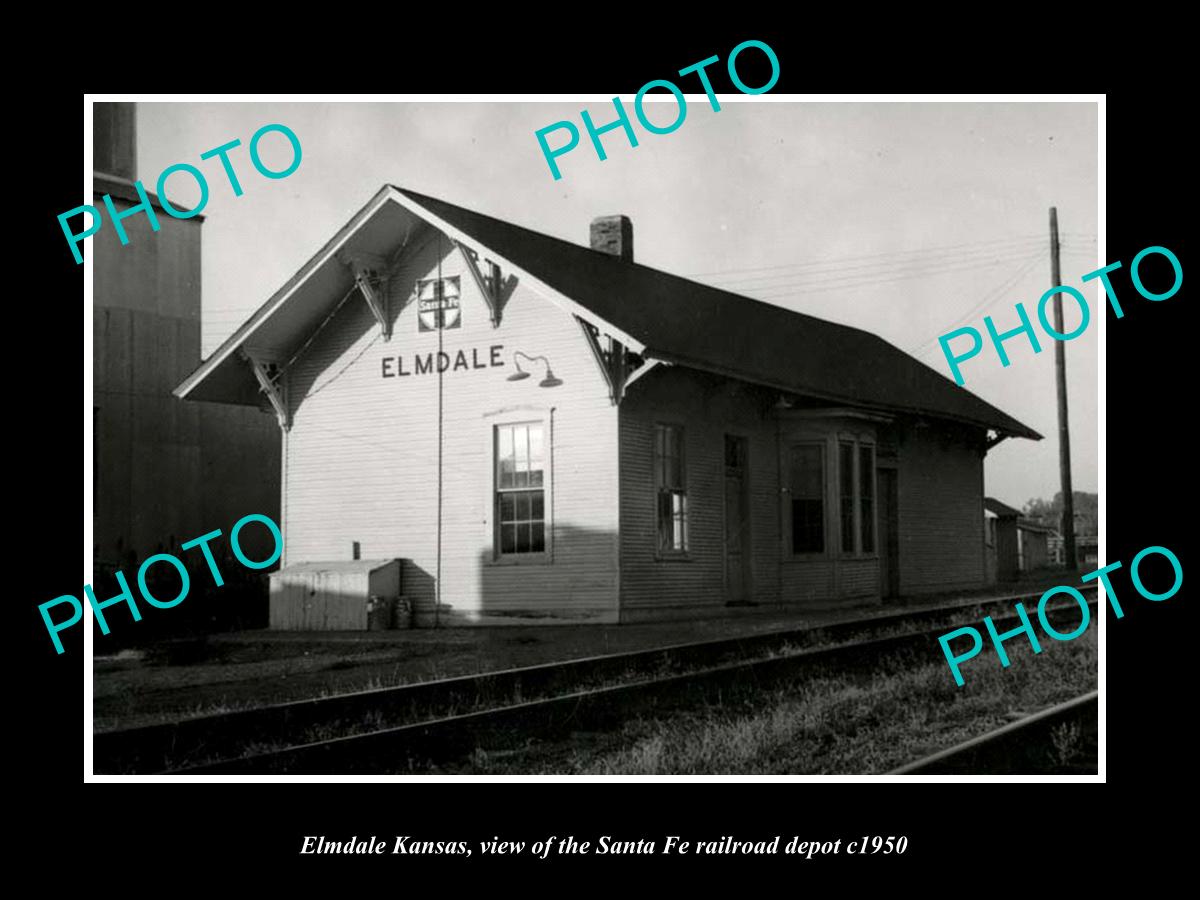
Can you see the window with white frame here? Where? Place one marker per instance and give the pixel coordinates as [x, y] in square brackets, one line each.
[520, 489]
[671, 484]
[856, 491]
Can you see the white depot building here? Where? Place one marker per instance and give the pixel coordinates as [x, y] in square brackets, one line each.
[539, 431]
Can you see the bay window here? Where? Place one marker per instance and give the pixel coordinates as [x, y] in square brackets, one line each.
[856, 491]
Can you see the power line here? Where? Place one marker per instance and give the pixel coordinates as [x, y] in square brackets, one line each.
[287, 365]
[884, 265]
[777, 291]
[915, 267]
[313, 391]
[997, 293]
[842, 260]
[988, 299]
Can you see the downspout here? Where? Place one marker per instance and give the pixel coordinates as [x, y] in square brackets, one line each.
[617, 493]
[780, 545]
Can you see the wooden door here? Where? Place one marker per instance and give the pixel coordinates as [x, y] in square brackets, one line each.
[889, 534]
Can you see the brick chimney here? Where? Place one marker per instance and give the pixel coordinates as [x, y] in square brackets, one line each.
[613, 235]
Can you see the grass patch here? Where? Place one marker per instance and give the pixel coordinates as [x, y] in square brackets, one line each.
[907, 708]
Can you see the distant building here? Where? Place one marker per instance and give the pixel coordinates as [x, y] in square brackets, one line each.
[1032, 545]
[1003, 544]
[164, 471]
[1014, 544]
[1086, 549]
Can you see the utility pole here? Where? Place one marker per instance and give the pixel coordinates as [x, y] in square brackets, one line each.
[1064, 437]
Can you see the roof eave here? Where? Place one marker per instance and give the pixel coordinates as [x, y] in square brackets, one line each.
[260, 315]
[675, 359]
[329, 250]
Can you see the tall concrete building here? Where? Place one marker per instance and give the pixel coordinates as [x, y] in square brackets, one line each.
[164, 471]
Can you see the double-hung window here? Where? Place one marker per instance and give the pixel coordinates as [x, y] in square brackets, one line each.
[846, 493]
[520, 489]
[856, 490]
[807, 486]
[670, 481]
[866, 496]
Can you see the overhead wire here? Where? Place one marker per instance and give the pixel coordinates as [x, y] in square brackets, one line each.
[811, 287]
[773, 291]
[843, 260]
[850, 272]
[996, 293]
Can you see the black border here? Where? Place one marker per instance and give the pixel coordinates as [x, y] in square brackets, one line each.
[211, 834]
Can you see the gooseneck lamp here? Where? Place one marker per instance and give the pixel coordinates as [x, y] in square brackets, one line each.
[520, 375]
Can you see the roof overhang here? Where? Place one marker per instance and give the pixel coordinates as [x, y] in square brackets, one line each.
[124, 189]
[381, 231]
[675, 359]
[282, 324]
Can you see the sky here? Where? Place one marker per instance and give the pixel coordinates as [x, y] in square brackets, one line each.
[904, 219]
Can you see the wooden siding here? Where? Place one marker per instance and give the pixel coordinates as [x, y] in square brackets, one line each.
[361, 456]
[655, 585]
[941, 518]
[707, 410]
[859, 577]
[1034, 549]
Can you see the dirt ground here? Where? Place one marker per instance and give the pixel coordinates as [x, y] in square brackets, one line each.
[176, 679]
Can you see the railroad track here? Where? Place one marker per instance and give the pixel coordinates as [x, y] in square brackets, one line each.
[429, 732]
[1024, 747]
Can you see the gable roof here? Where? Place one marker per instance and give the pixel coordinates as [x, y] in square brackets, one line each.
[672, 319]
[1003, 510]
[1037, 527]
[692, 324]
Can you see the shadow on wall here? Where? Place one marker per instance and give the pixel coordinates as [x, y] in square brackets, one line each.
[495, 592]
[573, 579]
[350, 323]
[355, 321]
[578, 585]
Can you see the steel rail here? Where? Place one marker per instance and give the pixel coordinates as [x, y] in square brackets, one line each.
[1019, 748]
[418, 746]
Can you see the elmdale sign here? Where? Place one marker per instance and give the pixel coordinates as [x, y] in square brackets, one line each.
[441, 361]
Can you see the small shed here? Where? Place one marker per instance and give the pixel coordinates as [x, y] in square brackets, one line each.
[1087, 551]
[1033, 544]
[1002, 523]
[335, 596]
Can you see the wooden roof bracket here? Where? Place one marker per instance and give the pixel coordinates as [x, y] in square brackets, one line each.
[490, 291]
[373, 289]
[640, 369]
[619, 368]
[615, 361]
[270, 383]
[371, 277]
